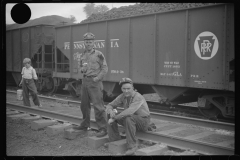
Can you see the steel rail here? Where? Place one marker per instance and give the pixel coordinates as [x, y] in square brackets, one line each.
[173, 141]
[167, 117]
[49, 114]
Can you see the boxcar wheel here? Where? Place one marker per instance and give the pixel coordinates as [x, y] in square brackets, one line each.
[211, 112]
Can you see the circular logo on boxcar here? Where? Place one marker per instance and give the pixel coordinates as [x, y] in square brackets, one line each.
[25, 37]
[206, 45]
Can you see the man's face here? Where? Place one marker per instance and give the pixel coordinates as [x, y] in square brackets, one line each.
[89, 44]
[127, 89]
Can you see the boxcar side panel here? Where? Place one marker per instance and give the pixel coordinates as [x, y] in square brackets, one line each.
[171, 48]
[207, 41]
[142, 32]
[16, 51]
[230, 36]
[78, 47]
[231, 46]
[118, 49]
[36, 34]
[25, 42]
[48, 30]
[9, 50]
[63, 40]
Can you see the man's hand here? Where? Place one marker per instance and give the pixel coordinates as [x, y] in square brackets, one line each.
[20, 84]
[83, 70]
[110, 121]
[112, 113]
[95, 79]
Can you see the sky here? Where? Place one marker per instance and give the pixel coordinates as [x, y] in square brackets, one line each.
[61, 9]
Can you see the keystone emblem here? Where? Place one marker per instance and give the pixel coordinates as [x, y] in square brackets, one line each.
[206, 45]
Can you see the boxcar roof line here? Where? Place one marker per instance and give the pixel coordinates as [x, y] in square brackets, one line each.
[30, 26]
[161, 12]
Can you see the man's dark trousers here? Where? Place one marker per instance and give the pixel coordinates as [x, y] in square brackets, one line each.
[92, 91]
[131, 124]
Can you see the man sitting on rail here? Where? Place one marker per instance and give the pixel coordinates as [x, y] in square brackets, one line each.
[135, 116]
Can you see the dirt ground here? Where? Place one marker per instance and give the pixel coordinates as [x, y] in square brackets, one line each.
[21, 140]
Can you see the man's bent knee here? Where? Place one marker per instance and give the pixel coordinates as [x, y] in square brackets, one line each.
[129, 119]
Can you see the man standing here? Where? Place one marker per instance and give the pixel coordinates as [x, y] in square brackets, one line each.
[94, 67]
[135, 116]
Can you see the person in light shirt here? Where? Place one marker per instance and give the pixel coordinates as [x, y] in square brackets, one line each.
[28, 85]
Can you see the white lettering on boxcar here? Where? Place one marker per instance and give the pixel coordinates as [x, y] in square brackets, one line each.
[117, 71]
[205, 46]
[200, 82]
[97, 44]
[175, 74]
[171, 64]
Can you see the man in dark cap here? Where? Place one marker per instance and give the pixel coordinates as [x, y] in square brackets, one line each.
[135, 116]
[93, 66]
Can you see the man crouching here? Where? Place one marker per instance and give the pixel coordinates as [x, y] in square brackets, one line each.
[135, 116]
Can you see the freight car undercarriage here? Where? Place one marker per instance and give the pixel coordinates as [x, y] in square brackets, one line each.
[211, 103]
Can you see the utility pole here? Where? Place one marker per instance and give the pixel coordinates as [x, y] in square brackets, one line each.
[63, 22]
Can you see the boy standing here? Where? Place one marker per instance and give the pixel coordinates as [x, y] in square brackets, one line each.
[28, 85]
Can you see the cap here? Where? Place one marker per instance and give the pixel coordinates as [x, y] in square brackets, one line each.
[88, 36]
[125, 80]
[26, 60]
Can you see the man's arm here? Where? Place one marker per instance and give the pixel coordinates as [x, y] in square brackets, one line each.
[134, 106]
[103, 66]
[114, 104]
[83, 66]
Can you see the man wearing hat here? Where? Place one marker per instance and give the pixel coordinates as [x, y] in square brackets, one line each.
[28, 85]
[135, 116]
[93, 66]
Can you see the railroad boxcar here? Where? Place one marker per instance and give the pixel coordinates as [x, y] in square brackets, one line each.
[37, 43]
[185, 55]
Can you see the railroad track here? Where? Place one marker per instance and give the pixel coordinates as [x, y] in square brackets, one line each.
[160, 116]
[168, 136]
[154, 106]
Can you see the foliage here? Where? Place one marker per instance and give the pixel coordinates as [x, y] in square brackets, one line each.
[73, 18]
[101, 9]
[91, 8]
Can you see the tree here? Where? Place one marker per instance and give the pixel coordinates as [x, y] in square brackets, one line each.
[90, 9]
[101, 9]
[72, 18]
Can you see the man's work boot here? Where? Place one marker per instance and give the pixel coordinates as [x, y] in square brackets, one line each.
[81, 128]
[131, 151]
[102, 133]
